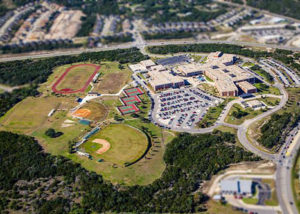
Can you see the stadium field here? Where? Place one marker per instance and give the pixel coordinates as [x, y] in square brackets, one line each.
[127, 144]
[75, 78]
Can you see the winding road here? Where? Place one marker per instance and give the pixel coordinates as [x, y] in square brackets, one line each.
[283, 176]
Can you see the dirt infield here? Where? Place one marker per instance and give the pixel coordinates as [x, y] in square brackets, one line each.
[105, 145]
[82, 113]
[66, 82]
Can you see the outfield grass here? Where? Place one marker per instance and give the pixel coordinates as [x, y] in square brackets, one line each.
[98, 111]
[126, 144]
[237, 121]
[113, 78]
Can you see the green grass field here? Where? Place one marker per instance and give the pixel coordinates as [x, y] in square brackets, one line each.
[248, 64]
[270, 101]
[127, 144]
[213, 114]
[273, 201]
[31, 113]
[76, 78]
[112, 78]
[264, 89]
[237, 121]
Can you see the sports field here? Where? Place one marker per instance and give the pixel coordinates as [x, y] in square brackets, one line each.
[75, 78]
[130, 108]
[133, 91]
[31, 113]
[130, 100]
[112, 78]
[126, 144]
[93, 111]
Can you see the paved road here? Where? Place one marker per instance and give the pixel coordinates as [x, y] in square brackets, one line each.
[284, 173]
[141, 44]
[284, 195]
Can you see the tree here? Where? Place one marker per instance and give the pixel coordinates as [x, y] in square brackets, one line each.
[52, 133]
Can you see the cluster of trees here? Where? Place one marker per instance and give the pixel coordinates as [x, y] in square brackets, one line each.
[190, 159]
[238, 113]
[3, 10]
[265, 74]
[171, 35]
[156, 11]
[8, 100]
[287, 7]
[117, 39]
[44, 45]
[52, 133]
[87, 25]
[37, 71]
[274, 131]
[207, 48]
[168, 11]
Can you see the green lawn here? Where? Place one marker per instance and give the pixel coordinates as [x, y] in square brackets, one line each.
[248, 64]
[264, 89]
[213, 114]
[250, 200]
[273, 201]
[230, 118]
[208, 79]
[271, 101]
[261, 72]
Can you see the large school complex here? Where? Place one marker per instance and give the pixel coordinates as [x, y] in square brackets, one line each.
[228, 77]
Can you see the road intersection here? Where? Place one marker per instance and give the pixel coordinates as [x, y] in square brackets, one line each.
[283, 176]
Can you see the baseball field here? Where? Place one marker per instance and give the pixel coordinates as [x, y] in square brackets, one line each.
[93, 111]
[118, 144]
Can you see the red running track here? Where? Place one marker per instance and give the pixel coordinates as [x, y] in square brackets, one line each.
[69, 90]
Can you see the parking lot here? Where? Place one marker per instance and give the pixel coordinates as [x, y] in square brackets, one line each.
[183, 108]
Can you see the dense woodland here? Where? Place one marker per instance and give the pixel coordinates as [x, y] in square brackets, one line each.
[275, 130]
[284, 7]
[37, 71]
[5, 49]
[172, 35]
[190, 159]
